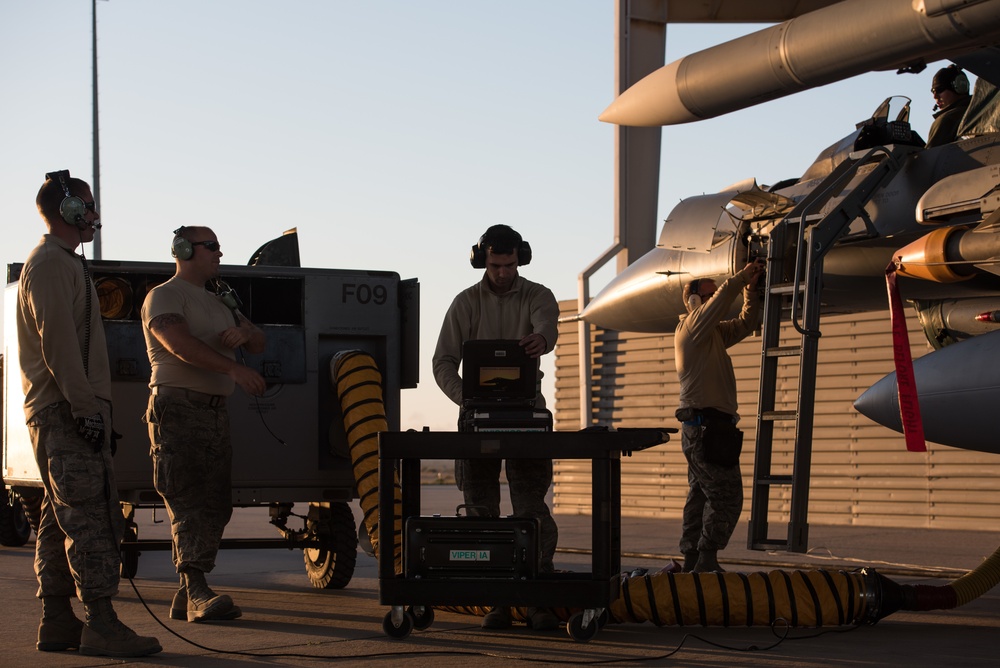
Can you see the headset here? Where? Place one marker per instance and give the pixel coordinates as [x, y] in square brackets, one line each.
[181, 248]
[951, 78]
[694, 296]
[72, 207]
[496, 235]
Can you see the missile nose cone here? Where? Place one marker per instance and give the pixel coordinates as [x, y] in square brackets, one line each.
[958, 390]
[880, 403]
[651, 101]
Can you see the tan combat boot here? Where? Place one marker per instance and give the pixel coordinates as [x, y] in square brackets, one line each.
[105, 635]
[203, 604]
[59, 629]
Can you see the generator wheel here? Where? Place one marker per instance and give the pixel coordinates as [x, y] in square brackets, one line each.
[31, 501]
[14, 528]
[397, 632]
[331, 566]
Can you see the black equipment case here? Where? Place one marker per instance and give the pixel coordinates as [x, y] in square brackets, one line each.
[471, 547]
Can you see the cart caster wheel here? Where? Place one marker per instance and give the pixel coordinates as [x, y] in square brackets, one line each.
[422, 619]
[580, 633]
[397, 632]
[603, 618]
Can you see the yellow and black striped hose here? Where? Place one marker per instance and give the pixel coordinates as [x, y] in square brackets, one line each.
[359, 388]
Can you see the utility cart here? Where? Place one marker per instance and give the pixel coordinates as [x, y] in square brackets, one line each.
[413, 593]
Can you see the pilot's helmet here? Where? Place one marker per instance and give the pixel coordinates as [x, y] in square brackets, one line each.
[951, 78]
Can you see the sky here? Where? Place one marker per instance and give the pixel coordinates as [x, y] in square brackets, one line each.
[391, 134]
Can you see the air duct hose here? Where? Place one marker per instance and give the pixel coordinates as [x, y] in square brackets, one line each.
[359, 387]
[800, 598]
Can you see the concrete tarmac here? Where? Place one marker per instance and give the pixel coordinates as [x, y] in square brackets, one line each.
[287, 622]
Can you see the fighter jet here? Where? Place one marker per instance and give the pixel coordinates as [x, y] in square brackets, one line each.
[932, 212]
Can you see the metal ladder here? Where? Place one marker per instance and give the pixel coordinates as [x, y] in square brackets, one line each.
[794, 283]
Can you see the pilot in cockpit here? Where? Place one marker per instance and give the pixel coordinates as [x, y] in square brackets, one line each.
[950, 88]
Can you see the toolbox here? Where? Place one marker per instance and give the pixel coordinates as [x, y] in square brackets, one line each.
[471, 547]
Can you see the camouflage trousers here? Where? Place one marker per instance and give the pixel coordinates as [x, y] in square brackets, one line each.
[81, 525]
[192, 470]
[528, 480]
[714, 500]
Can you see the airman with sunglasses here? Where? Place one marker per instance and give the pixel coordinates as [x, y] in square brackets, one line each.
[191, 339]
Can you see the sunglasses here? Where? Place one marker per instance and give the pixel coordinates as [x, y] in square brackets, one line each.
[210, 246]
[90, 206]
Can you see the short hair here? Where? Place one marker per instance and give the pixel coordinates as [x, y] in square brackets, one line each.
[51, 195]
[185, 231]
[501, 239]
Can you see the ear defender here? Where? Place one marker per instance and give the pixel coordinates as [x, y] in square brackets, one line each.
[71, 208]
[477, 257]
[693, 298]
[181, 248]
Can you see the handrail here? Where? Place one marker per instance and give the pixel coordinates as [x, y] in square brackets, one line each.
[583, 297]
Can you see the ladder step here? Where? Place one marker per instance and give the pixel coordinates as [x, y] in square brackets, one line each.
[786, 288]
[768, 544]
[783, 351]
[779, 415]
[773, 480]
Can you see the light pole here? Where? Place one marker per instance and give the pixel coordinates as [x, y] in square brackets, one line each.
[97, 140]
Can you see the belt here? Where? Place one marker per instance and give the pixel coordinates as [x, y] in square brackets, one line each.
[196, 397]
[698, 416]
[715, 415]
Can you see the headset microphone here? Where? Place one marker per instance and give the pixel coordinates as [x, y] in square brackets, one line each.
[228, 297]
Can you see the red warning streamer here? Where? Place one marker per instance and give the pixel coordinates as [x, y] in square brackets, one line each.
[909, 407]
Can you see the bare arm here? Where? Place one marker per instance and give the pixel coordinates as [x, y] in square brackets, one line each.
[245, 334]
[171, 330]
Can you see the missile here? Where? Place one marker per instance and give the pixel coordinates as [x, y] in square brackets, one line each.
[830, 44]
[957, 392]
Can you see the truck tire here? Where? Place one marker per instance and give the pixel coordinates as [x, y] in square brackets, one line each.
[14, 528]
[331, 566]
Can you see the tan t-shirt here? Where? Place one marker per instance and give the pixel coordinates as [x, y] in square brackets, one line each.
[207, 317]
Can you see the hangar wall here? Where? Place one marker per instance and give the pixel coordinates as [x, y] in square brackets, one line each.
[862, 473]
